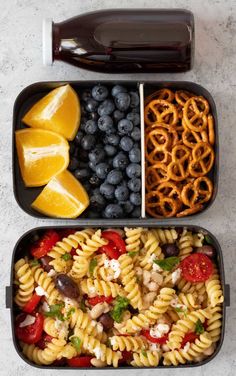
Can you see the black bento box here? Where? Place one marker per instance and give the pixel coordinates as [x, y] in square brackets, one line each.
[31, 94]
[20, 251]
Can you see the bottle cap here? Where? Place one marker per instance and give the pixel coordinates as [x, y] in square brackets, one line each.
[47, 41]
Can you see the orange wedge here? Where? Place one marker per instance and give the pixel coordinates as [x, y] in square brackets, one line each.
[41, 154]
[63, 197]
[58, 111]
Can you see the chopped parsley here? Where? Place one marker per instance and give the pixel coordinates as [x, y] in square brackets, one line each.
[34, 262]
[70, 313]
[208, 240]
[76, 342]
[121, 303]
[92, 265]
[168, 263]
[66, 257]
[132, 253]
[144, 353]
[199, 328]
[55, 311]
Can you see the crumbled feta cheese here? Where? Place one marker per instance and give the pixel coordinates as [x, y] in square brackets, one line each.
[41, 292]
[52, 273]
[45, 307]
[186, 347]
[98, 352]
[114, 265]
[174, 302]
[112, 341]
[152, 258]
[154, 347]
[62, 327]
[70, 302]
[29, 320]
[93, 323]
[106, 263]
[176, 275]
[159, 330]
[92, 289]
[156, 268]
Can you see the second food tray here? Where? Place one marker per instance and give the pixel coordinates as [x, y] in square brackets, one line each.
[31, 94]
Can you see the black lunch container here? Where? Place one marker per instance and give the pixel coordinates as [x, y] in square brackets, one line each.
[19, 251]
[31, 94]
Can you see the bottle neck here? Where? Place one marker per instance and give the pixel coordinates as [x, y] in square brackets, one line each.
[55, 41]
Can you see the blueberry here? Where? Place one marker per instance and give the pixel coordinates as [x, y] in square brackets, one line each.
[113, 211]
[79, 137]
[134, 117]
[127, 207]
[97, 155]
[112, 139]
[118, 89]
[118, 115]
[121, 193]
[135, 198]
[136, 213]
[136, 134]
[114, 177]
[86, 95]
[82, 174]
[74, 164]
[91, 105]
[106, 107]
[107, 190]
[120, 161]
[134, 184]
[92, 166]
[110, 131]
[133, 170]
[102, 170]
[82, 155]
[83, 124]
[122, 101]
[91, 127]
[126, 143]
[134, 99]
[135, 155]
[125, 126]
[94, 116]
[110, 150]
[97, 201]
[99, 93]
[105, 123]
[88, 142]
[95, 181]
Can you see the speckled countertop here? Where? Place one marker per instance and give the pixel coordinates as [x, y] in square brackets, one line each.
[215, 68]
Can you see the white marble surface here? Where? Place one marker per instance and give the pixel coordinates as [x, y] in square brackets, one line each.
[21, 65]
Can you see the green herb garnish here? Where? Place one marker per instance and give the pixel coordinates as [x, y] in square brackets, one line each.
[121, 304]
[83, 306]
[92, 265]
[168, 263]
[144, 353]
[55, 311]
[132, 253]
[34, 262]
[208, 240]
[66, 256]
[76, 342]
[70, 313]
[178, 309]
[199, 328]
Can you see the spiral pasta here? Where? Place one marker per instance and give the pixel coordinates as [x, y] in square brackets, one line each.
[146, 359]
[128, 343]
[46, 356]
[188, 300]
[93, 287]
[60, 265]
[25, 278]
[43, 280]
[100, 350]
[129, 281]
[82, 320]
[185, 244]
[152, 251]
[72, 241]
[133, 239]
[166, 236]
[183, 326]
[214, 323]
[195, 349]
[214, 290]
[150, 316]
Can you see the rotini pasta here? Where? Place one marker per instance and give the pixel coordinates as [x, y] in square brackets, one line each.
[136, 298]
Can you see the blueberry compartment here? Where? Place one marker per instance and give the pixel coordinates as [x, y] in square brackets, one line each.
[20, 251]
[31, 94]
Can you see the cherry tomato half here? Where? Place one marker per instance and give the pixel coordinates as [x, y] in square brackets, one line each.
[45, 244]
[126, 357]
[110, 250]
[115, 238]
[80, 361]
[32, 303]
[162, 340]
[189, 337]
[30, 333]
[99, 299]
[196, 268]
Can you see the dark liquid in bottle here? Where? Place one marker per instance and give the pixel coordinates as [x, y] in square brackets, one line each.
[126, 40]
